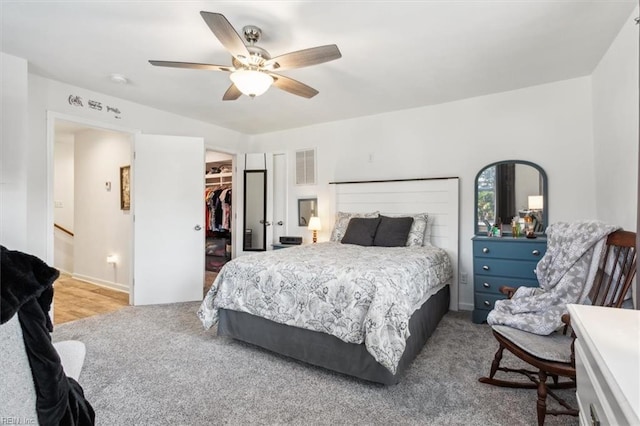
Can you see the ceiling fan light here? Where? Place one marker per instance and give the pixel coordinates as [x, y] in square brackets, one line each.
[250, 82]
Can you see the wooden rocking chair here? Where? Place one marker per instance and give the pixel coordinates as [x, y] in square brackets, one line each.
[553, 355]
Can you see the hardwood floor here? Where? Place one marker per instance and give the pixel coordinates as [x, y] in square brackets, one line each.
[75, 299]
[209, 277]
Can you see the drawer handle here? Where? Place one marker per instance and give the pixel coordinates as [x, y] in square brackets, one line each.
[485, 249]
[487, 303]
[536, 252]
[485, 267]
[486, 285]
[594, 416]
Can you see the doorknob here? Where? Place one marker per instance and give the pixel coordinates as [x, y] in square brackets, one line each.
[265, 222]
[197, 227]
[280, 223]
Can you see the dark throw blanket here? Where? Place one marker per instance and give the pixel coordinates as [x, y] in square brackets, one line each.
[26, 287]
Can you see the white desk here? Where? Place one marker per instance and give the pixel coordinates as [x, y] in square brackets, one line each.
[607, 364]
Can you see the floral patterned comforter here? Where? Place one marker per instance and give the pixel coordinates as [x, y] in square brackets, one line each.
[358, 294]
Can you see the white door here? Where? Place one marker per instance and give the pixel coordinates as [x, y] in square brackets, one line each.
[279, 196]
[264, 201]
[269, 203]
[167, 201]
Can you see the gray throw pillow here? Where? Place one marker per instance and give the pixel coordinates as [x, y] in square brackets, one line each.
[393, 231]
[361, 231]
[342, 221]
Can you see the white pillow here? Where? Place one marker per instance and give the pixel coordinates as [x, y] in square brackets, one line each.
[418, 230]
[342, 221]
[427, 232]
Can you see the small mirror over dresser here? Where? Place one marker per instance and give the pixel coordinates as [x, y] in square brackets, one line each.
[511, 214]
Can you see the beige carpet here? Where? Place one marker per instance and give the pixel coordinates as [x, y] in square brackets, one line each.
[156, 365]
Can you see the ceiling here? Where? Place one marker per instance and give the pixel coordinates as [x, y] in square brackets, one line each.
[395, 55]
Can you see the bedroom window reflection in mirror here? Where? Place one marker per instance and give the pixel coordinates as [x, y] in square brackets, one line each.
[508, 191]
[307, 207]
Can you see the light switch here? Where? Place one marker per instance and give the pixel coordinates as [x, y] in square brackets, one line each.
[57, 204]
[107, 186]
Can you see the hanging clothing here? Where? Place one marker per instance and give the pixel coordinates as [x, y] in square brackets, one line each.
[218, 208]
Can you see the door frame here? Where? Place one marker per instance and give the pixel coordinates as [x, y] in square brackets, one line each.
[52, 117]
[235, 193]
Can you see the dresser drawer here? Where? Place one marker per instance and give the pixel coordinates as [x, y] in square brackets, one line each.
[505, 249]
[486, 301]
[501, 262]
[506, 268]
[491, 284]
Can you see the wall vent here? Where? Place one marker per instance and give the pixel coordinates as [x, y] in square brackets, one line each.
[306, 167]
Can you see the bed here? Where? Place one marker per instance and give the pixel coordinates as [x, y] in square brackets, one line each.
[365, 311]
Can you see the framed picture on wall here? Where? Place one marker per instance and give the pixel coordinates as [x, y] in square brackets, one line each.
[125, 188]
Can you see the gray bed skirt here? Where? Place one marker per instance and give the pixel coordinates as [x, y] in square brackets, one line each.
[328, 351]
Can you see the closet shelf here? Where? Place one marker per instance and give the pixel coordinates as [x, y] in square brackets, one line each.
[218, 175]
[218, 178]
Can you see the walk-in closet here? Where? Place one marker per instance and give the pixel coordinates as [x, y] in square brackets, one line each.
[218, 210]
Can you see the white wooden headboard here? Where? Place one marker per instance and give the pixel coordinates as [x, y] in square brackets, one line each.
[438, 197]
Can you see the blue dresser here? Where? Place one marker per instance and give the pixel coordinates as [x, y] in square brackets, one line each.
[502, 261]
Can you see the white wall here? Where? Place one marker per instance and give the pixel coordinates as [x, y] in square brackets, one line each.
[550, 125]
[63, 178]
[63, 196]
[615, 128]
[47, 95]
[13, 152]
[101, 227]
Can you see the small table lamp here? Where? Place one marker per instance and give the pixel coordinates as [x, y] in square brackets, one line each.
[315, 226]
[536, 202]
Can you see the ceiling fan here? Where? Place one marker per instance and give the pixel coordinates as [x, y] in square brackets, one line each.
[252, 69]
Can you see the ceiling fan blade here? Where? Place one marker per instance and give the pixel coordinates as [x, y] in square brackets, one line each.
[304, 58]
[227, 35]
[293, 86]
[192, 65]
[232, 93]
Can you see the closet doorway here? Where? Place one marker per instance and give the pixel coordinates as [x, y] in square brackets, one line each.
[219, 213]
[92, 233]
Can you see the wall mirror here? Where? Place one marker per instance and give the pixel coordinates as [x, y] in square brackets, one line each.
[307, 207]
[508, 189]
[255, 210]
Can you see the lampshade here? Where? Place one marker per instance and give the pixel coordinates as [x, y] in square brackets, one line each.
[536, 202]
[250, 82]
[314, 223]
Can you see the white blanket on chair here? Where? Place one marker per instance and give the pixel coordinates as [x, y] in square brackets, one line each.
[565, 273]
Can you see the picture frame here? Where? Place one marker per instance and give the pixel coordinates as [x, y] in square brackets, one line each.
[125, 187]
[307, 207]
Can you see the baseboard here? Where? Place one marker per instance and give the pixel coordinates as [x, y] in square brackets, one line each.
[465, 306]
[102, 283]
[64, 271]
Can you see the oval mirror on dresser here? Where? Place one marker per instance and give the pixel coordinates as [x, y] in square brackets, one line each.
[507, 191]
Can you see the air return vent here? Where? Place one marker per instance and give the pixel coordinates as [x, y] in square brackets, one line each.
[306, 167]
